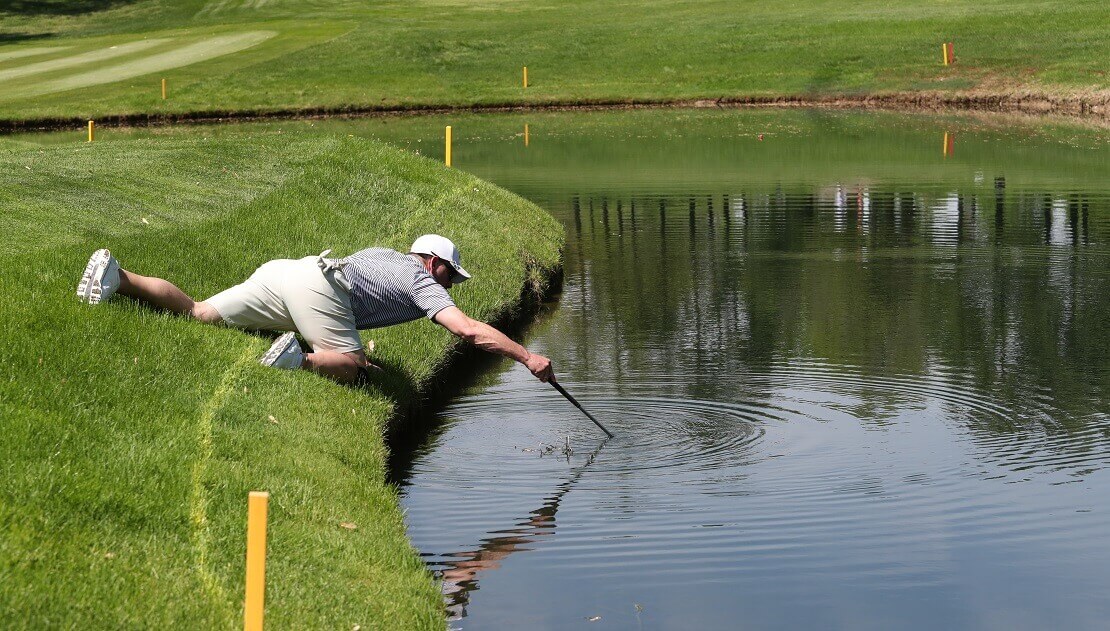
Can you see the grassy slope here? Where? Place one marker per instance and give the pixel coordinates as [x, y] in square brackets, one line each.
[336, 53]
[132, 437]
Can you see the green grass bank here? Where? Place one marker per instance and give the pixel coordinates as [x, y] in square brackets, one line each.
[61, 59]
[131, 437]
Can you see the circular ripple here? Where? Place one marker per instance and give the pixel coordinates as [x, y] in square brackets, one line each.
[809, 468]
[695, 435]
[794, 400]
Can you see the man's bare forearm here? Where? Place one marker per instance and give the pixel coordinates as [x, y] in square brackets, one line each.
[490, 339]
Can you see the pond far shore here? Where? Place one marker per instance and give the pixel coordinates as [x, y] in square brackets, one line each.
[1091, 106]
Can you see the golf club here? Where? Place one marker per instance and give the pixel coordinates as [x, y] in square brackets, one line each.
[578, 405]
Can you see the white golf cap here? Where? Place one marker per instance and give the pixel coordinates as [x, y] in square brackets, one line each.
[443, 248]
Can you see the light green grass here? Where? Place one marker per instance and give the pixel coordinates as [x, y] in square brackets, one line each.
[131, 437]
[182, 55]
[341, 53]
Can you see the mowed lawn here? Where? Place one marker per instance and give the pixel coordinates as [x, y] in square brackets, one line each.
[132, 437]
[223, 55]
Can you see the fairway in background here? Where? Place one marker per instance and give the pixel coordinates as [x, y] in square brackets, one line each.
[344, 54]
[176, 57]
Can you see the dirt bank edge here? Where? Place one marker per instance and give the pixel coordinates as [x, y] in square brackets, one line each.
[1088, 105]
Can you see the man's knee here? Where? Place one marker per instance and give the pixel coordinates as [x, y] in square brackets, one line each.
[359, 358]
[364, 367]
[206, 313]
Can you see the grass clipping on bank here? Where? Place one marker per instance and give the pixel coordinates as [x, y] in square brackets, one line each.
[132, 437]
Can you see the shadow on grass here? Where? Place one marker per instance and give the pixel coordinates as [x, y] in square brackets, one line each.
[389, 379]
[59, 7]
[11, 38]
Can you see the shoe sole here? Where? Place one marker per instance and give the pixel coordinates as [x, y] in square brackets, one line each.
[276, 349]
[90, 288]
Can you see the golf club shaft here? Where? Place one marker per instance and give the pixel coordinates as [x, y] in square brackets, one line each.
[579, 406]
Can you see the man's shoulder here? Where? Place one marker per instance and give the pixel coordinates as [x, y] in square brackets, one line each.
[383, 257]
[376, 253]
[402, 268]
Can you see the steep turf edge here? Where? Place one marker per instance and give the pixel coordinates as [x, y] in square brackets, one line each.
[1094, 105]
[131, 438]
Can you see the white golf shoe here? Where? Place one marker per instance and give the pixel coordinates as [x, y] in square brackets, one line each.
[101, 278]
[285, 353]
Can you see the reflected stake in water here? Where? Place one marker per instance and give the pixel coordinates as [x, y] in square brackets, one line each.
[461, 574]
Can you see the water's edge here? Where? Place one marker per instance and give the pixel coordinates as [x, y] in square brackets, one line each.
[413, 418]
[1093, 107]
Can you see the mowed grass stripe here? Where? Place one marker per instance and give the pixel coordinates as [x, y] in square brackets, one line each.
[30, 52]
[94, 56]
[203, 50]
[159, 180]
[188, 70]
[220, 6]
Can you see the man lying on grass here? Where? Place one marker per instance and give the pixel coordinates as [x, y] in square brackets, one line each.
[327, 301]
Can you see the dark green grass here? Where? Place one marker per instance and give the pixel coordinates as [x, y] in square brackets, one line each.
[340, 53]
[131, 437]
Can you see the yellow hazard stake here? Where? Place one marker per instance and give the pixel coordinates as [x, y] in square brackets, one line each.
[163, 89]
[447, 149]
[91, 132]
[944, 53]
[526, 76]
[256, 560]
[525, 134]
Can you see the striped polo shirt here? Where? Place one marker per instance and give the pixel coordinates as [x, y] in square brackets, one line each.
[388, 288]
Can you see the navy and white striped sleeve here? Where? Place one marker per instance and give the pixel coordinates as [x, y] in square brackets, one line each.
[430, 296]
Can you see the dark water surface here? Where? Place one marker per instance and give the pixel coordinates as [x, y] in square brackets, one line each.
[855, 382]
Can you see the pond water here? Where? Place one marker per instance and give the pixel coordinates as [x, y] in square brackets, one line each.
[857, 365]
[858, 375]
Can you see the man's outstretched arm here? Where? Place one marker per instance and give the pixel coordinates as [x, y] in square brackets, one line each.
[490, 339]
